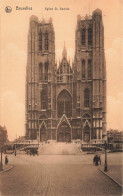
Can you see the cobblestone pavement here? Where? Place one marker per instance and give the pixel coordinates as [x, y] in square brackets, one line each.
[57, 175]
[115, 167]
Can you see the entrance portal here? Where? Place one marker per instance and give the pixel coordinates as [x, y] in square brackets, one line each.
[43, 133]
[86, 134]
[86, 137]
[42, 137]
[64, 137]
[64, 133]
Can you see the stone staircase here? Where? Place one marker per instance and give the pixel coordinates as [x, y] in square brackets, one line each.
[59, 148]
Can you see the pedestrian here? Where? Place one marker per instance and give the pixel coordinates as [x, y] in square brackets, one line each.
[95, 160]
[6, 160]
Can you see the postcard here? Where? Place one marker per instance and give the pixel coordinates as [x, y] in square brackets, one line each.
[61, 90]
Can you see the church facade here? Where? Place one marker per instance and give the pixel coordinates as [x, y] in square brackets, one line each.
[66, 103]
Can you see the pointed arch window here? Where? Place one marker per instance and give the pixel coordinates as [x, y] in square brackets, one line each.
[86, 97]
[83, 69]
[89, 68]
[46, 41]
[61, 78]
[46, 71]
[43, 100]
[61, 70]
[64, 104]
[83, 36]
[40, 40]
[40, 72]
[90, 36]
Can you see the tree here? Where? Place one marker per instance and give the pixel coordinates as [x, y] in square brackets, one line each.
[3, 136]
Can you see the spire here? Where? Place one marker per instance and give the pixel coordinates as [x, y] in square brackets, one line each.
[64, 53]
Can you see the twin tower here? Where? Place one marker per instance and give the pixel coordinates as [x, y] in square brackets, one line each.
[66, 103]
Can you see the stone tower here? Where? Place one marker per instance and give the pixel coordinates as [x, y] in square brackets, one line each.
[90, 72]
[40, 77]
[66, 103]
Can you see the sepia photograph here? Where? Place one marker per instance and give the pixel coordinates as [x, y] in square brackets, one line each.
[61, 95]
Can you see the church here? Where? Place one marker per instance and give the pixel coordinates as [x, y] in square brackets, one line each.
[66, 103]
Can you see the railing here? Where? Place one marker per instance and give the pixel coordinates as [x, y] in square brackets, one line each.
[97, 141]
[26, 142]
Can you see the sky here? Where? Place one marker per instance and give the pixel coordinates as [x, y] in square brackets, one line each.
[14, 28]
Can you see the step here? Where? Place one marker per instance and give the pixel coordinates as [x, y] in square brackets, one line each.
[59, 148]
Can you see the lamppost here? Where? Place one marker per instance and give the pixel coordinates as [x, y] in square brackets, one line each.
[105, 165]
[15, 149]
[16, 146]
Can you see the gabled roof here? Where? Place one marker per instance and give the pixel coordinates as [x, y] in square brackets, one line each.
[63, 119]
[64, 65]
[43, 123]
[86, 123]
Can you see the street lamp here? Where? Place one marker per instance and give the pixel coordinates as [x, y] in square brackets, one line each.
[16, 146]
[105, 165]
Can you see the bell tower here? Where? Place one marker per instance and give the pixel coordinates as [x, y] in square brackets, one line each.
[90, 76]
[99, 77]
[40, 76]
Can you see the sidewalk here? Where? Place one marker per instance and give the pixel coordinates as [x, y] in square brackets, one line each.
[6, 168]
[115, 173]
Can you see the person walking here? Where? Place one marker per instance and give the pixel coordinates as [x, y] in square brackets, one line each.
[6, 160]
[95, 160]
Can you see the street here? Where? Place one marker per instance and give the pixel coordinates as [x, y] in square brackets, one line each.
[57, 175]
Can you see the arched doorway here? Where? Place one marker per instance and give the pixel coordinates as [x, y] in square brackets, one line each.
[86, 133]
[64, 133]
[43, 133]
[64, 104]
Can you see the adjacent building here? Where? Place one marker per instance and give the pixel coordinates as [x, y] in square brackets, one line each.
[115, 139]
[64, 102]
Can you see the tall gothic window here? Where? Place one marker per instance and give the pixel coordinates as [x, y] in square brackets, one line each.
[40, 41]
[83, 69]
[86, 97]
[61, 70]
[46, 41]
[90, 36]
[89, 68]
[83, 37]
[46, 71]
[43, 100]
[64, 104]
[40, 71]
